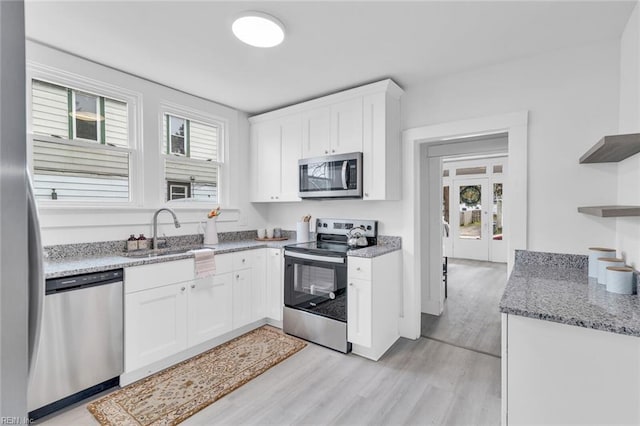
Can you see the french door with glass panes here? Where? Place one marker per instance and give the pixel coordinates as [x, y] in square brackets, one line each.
[470, 220]
[468, 236]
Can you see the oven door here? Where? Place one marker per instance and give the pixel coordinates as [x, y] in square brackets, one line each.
[316, 284]
[333, 176]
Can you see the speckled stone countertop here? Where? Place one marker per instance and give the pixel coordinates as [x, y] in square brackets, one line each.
[386, 244]
[73, 265]
[86, 258]
[556, 287]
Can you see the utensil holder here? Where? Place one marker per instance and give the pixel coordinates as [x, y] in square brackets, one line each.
[210, 232]
[302, 232]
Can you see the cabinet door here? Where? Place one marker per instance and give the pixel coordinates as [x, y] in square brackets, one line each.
[374, 150]
[155, 324]
[291, 131]
[242, 299]
[346, 126]
[316, 132]
[209, 308]
[359, 312]
[275, 284]
[259, 285]
[265, 138]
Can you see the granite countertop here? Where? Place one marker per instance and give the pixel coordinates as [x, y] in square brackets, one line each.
[65, 266]
[74, 260]
[386, 244]
[556, 287]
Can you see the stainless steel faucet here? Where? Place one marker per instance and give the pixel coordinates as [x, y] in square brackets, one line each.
[156, 243]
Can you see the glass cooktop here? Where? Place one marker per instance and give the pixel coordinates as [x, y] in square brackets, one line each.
[321, 247]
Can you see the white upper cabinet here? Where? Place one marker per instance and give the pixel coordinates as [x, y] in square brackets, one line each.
[275, 150]
[316, 132]
[336, 129]
[364, 119]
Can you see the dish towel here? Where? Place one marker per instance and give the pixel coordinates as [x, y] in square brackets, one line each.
[205, 262]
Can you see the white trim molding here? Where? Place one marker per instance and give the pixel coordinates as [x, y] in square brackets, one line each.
[423, 254]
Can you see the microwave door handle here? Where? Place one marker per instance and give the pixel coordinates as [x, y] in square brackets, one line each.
[345, 165]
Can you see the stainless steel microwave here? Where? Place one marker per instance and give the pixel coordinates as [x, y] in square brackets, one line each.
[333, 176]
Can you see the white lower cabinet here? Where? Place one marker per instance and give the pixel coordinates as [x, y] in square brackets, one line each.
[373, 291]
[168, 310]
[209, 308]
[359, 312]
[249, 286]
[275, 284]
[155, 324]
[561, 374]
[259, 285]
[155, 308]
[241, 297]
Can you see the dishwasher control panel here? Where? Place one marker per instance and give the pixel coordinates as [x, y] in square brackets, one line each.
[55, 285]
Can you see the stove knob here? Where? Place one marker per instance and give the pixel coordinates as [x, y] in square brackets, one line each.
[369, 228]
[324, 225]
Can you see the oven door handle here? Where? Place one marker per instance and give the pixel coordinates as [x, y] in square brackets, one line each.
[314, 257]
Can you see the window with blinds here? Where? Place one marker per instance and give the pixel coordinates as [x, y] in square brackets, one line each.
[81, 149]
[192, 163]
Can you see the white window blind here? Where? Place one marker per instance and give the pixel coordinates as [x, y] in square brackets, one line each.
[79, 170]
[198, 169]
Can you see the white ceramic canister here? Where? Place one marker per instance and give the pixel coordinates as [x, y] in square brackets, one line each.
[620, 280]
[594, 254]
[603, 263]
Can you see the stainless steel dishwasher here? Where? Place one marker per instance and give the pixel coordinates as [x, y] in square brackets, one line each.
[80, 349]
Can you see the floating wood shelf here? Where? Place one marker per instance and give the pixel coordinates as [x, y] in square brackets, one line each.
[611, 149]
[610, 211]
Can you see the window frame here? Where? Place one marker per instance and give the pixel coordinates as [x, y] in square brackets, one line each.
[209, 119]
[75, 82]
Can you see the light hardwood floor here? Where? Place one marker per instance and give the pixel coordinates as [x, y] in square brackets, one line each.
[421, 382]
[416, 382]
[470, 318]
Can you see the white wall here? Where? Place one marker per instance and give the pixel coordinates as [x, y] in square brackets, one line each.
[70, 225]
[572, 97]
[628, 229]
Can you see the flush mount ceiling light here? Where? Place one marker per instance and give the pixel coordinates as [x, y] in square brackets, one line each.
[258, 29]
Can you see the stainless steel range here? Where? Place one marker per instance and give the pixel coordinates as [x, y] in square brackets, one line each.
[315, 282]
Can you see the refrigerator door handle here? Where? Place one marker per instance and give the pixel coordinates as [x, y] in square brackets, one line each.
[36, 275]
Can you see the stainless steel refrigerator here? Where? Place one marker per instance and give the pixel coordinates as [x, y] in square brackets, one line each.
[14, 234]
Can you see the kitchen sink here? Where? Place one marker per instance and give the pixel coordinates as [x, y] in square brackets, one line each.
[142, 254]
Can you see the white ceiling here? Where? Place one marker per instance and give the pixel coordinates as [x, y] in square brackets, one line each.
[329, 45]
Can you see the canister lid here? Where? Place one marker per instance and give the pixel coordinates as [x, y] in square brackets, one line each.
[610, 259]
[620, 268]
[601, 249]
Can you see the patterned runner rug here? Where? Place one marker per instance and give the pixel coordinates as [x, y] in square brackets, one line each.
[174, 394]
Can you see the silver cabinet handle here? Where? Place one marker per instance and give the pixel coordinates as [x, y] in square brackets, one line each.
[358, 268]
[193, 286]
[366, 194]
[237, 276]
[333, 150]
[183, 289]
[326, 151]
[351, 284]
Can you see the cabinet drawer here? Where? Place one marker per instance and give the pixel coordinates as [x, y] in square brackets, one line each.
[243, 259]
[359, 268]
[224, 263]
[144, 277]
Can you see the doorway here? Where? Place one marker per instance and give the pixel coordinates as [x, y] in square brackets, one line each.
[423, 288]
[473, 193]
